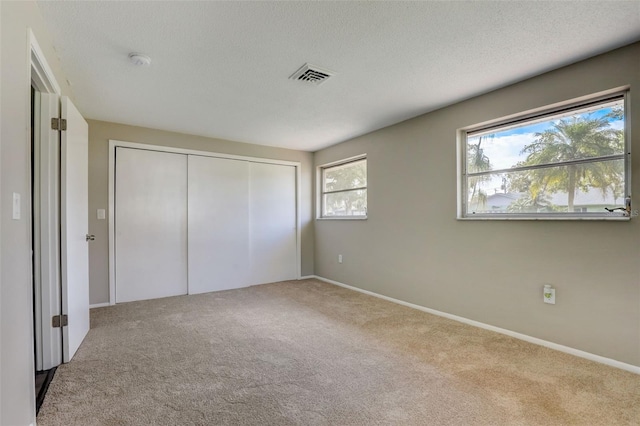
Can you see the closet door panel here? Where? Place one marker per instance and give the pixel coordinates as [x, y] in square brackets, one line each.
[272, 217]
[218, 224]
[150, 224]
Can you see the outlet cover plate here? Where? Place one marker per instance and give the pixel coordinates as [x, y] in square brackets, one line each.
[549, 296]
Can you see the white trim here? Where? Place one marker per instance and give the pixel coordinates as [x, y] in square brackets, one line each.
[298, 220]
[308, 277]
[113, 144]
[46, 221]
[520, 119]
[99, 305]
[343, 218]
[628, 144]
[566, 349]
[319, 187]
[506, 216]
[41, 73]
[362, 156]
[36, 226]
[460, 168]
[112, 232]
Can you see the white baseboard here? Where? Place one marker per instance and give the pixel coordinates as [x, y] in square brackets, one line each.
[308, 277]
[582, 354]
[99, 305]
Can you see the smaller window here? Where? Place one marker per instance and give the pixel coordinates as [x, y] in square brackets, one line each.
[344, 189]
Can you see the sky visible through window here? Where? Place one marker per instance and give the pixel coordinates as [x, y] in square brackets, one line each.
[504, 148]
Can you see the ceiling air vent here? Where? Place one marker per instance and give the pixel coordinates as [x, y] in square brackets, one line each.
[311, 74]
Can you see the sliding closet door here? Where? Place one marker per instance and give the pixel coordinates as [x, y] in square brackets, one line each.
[150, 224]
[272, 218]
[218, 224]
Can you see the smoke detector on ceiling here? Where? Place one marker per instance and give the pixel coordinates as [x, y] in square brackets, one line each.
[311, 74]
[139, 59]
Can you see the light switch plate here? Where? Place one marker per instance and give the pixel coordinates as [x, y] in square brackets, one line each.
[16, 206]
[101, 214]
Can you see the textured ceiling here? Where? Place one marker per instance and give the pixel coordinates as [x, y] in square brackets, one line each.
[221, 69]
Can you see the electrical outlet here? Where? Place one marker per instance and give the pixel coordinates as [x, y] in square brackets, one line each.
[339, 258]
[549, 295]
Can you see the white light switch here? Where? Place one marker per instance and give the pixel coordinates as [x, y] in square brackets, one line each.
[16, 206]
[101, 214]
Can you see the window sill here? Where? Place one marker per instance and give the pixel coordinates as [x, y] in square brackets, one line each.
[546, 218]
[343, 218]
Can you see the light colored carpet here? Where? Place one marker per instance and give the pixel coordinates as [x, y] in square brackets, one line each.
[309, 353]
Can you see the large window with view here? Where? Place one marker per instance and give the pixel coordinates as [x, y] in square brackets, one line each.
[572, 162]
[344, 189]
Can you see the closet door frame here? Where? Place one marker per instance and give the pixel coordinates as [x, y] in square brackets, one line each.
[113, 144]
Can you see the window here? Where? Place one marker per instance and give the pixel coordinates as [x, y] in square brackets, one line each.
[572, 162]
[344, 189]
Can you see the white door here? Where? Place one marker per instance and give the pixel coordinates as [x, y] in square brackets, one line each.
[218, 224]
[150, 224]
[272, 223]
[74, 227]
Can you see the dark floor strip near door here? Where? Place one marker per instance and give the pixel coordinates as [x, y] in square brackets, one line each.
[43, 380]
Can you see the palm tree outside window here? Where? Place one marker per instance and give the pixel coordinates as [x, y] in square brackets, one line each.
[571, 162]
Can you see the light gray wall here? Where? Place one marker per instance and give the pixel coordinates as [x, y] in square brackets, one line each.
[99, 134]
[412, 247]
[17, 405]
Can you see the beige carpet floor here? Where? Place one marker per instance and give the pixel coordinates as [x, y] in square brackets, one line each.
[309, 353]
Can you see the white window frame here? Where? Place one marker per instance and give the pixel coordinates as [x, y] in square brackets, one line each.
[320, 188]
[462, 187]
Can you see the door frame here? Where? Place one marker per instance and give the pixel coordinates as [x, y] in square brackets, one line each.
[45, 219]
[113, 144]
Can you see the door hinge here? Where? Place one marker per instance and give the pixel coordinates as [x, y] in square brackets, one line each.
[59, 321]
[59, 124]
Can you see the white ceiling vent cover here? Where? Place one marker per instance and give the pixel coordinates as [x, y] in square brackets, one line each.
[311, 74]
